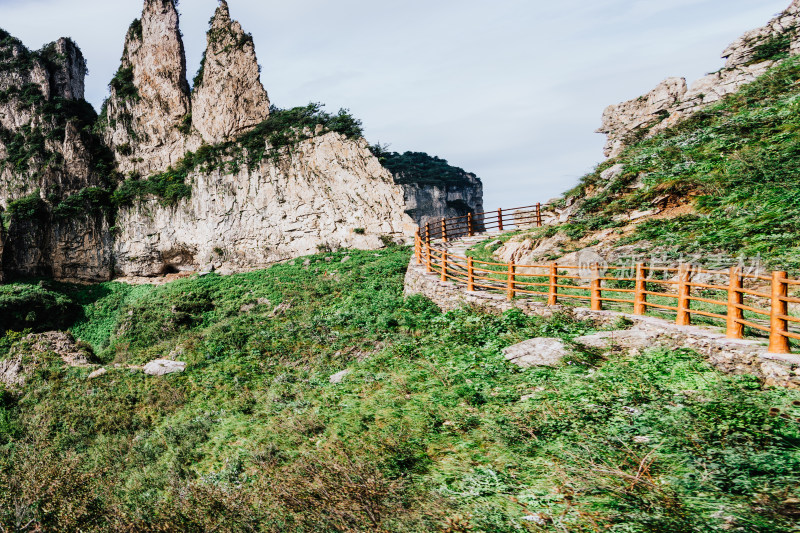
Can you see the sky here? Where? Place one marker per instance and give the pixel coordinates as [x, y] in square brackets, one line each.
[512, 90]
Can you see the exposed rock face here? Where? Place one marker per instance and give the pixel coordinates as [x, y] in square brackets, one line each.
[48, 155]
[162, 367]
[318, 195]
[35, 350]
[430, 203]
[747, 58]
[150, 104]
[228, 97]
[537, 352]
[625, 119]
[68, 77]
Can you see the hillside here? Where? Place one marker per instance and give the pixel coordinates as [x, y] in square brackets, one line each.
[431, 429]
[719, 187]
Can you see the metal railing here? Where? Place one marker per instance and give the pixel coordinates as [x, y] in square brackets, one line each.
[740, 301]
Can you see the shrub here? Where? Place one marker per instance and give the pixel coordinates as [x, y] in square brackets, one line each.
[28, 208]
[35, 307]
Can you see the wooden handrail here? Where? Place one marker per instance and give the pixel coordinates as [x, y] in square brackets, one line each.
[475, 274]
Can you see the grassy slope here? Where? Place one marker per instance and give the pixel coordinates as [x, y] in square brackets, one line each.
[737, 163]
[427, 433]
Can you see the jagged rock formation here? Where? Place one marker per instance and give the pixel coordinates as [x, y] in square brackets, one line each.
[46, 155]
[228, 98]
[747, 58]
[149, 109]
[157, 184]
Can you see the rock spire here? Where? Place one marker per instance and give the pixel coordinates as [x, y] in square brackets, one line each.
[228, 97]
[149, 109]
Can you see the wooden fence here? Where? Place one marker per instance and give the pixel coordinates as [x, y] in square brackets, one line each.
[745, 304]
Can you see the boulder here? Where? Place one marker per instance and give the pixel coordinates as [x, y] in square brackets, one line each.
[627, 339]
[537, 352]
[338, 377]
[161, 367]
[97, 373]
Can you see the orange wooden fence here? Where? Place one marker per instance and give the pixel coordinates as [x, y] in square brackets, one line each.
[742, 301]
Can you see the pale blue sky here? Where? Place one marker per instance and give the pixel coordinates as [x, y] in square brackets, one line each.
[509, 89]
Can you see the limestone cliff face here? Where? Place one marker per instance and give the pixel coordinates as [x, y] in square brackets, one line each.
[45, 157]
[228, 98]
[149, 109]
[747, 58]
[328, 191]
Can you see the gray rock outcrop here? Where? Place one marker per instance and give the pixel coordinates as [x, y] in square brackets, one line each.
[162, 367]
[150, 104]
[33, 350]
[46, 157]
[317, 196]
[747, 58]
[228, 98]
[430, 203]
[537, 352]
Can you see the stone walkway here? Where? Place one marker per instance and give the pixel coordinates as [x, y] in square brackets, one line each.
[729, 355]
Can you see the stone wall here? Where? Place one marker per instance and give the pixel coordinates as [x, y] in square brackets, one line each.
[728, 355]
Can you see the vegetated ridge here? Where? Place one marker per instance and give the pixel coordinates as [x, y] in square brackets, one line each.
[718, 187]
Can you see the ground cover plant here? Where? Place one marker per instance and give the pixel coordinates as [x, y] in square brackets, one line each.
[431, 429]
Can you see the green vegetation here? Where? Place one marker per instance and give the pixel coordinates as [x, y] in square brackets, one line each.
[419, 168]
[30, 207]
[122, 84]
[432, 430]
[89, 200]
[775, 48]
[736, 163]
[135, 30]
[198, 78]
[34, 307]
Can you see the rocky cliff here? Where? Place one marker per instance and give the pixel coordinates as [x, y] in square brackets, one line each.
[228, 98]
[171, 179]
[149, 111]
[673, 100]
[48, 159]
[433, 188]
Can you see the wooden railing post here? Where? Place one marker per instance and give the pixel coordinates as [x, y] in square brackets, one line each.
[778, 342]
[539, 215]
[552, 298]
[470, 275]
[500, 219]
[511, 292]
[640, 296]
[444, 265]
[470, 229]
[428, 258]
[684, 317]
[735, 329]
[418, 247]
[596, 288]
[428, 233]
[444, 230]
